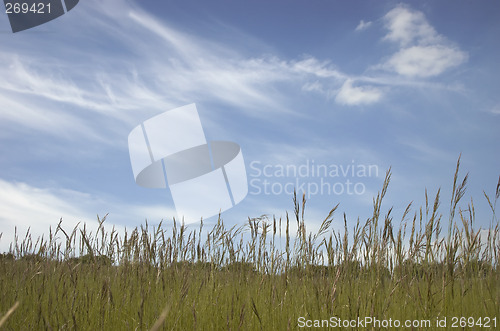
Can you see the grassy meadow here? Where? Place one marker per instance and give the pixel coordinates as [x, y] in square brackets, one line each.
[260, 276]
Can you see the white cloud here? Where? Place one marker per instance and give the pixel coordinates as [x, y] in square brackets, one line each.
[40, 95]
[425, 61]
[159, 68]
[314, 67]
[496, 109]
[181, 66]
[357, 95]
[363, 25]
[35, 77]
[313, 86]
[25, 206]
[408, 26]
[423, 52]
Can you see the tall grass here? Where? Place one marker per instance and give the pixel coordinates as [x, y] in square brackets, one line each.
[243, 278]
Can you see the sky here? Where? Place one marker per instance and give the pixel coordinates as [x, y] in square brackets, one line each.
[321, 96]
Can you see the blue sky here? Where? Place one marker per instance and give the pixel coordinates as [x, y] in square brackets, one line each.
[333, 83]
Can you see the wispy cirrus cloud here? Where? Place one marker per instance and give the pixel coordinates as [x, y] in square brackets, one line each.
[357, 95]
[321, 69]
[102, 90]
[496, 109]
[181, 66]
[363, 25]
[313, 86]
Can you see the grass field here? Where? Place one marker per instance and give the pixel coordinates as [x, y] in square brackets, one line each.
[260, 277]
